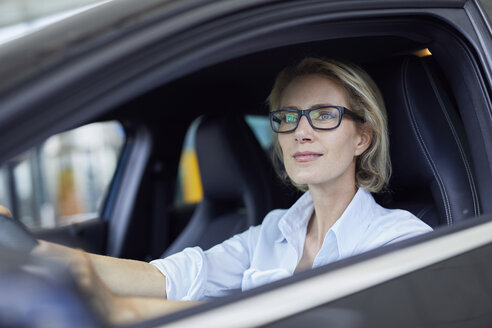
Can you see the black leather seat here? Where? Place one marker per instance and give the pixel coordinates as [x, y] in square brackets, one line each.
[432, 175]
[237, 192]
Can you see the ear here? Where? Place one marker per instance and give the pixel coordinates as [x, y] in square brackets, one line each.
[364, 139]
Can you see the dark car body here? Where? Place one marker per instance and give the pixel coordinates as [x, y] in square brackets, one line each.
[155, 66]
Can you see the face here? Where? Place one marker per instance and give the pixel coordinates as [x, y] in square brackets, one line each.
[316, 157]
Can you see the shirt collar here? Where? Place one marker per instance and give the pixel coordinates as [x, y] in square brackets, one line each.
[296, 217]
[352, 223]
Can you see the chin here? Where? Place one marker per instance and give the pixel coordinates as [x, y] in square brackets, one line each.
[305, 180]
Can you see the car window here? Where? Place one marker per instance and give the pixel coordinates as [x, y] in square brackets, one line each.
[63, 180]
[260, 125]
[189, 187]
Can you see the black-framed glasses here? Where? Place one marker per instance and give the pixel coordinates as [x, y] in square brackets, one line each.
[320, 118]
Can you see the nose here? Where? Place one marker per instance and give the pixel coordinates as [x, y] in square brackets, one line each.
[304, 131]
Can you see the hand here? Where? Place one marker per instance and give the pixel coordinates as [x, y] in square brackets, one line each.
[119, 309]
[99, 296]
[122, 291]
[78, 261]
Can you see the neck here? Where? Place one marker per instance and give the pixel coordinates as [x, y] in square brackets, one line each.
[329, 205]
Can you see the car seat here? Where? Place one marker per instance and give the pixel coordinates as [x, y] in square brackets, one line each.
[432, 173]
[236, 179]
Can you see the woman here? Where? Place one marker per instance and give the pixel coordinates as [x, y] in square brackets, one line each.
[330, 126]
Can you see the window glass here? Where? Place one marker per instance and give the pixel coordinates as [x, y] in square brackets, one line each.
[261, 129]
[65, 179]
[189, 187]
[24, 191]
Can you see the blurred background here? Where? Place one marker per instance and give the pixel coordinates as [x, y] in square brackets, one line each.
[64, 179]
[19, 17]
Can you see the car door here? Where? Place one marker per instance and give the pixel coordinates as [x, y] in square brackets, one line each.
[176, 59]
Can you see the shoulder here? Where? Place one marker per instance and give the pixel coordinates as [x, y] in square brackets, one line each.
[392, 225]
[268, 228]
[273, 217]
[270, 224]
[366, 225]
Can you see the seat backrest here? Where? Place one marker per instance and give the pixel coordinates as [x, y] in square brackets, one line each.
[235, 175]
[432, 175]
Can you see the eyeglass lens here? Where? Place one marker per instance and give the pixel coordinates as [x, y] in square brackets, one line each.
[323, 118]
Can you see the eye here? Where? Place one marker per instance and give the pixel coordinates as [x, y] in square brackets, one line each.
[323, 115]
[326, 116]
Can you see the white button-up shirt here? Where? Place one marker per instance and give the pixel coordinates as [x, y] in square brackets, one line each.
[272, 250]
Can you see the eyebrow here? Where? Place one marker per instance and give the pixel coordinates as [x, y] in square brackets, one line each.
[313, 106]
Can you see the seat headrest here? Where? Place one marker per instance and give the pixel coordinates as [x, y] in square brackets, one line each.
[429, 150]
[232, 163]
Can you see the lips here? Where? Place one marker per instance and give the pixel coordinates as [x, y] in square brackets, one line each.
[306, 156]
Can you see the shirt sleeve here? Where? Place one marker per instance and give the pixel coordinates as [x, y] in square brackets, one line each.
[194, 274]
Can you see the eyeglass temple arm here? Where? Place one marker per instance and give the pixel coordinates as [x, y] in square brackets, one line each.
[354, 115]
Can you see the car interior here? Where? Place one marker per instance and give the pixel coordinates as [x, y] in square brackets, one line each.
[437, 173]
[434, 172]
[438, 118]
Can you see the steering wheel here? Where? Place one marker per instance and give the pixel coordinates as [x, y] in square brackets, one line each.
[62, 301]
[15, 236]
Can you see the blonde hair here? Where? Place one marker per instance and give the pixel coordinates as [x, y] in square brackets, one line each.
[373, 167]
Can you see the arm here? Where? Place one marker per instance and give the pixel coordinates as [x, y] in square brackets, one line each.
[117, 309]
[121, 277]
[194, 274]
[108, 287]
[129, 277]
[131, 309]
